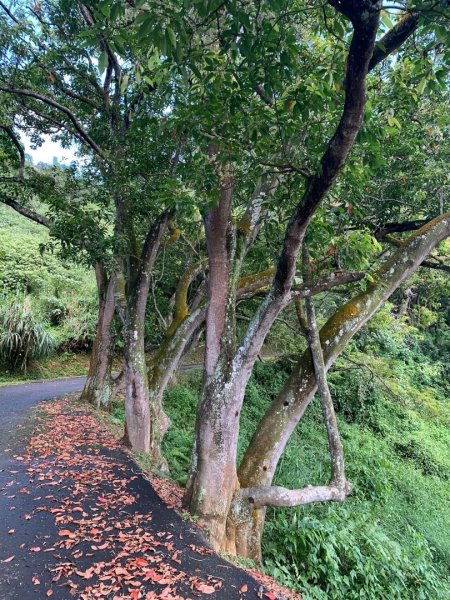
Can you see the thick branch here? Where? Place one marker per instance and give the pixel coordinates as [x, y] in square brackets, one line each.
[339, 146]
[181, 308]
[26, 212]
[279, 496]
[382, 230]
[440, 265]
[361, 49]
[394, 38]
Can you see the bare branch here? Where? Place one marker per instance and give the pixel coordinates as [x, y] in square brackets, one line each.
[329, 416]
[279, 496]
[63, 109]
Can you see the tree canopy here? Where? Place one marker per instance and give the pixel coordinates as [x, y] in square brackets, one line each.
[235, 162]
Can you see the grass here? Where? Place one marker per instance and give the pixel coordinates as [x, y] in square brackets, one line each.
[66, 364]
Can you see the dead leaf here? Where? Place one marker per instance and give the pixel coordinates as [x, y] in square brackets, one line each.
[204, 588]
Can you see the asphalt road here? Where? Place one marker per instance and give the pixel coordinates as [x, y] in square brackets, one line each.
[28, 529]
[17, 400]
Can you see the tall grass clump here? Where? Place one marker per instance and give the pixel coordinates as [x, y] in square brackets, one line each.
[23, 336]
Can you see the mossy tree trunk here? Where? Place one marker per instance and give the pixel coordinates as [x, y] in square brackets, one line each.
[98, 388]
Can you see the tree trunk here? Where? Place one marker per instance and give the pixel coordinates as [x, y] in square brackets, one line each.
[260, 461]
[137, 410]
[213, 477]
[98, 388]
[163, 365]
[138, 426]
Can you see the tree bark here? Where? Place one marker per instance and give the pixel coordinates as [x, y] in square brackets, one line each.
[137, 410]
[261, 458]
[138, 427]
[163, 365]
[213, 462]
[99, 387]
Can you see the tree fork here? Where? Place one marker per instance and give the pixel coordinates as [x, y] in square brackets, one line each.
[261, 458]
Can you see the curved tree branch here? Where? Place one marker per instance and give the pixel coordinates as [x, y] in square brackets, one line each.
[63, 109]
[26, 212]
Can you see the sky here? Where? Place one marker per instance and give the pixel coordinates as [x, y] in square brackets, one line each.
[48, 150]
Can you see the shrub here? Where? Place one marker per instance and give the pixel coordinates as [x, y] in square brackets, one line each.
[23, 336]
[340, 557]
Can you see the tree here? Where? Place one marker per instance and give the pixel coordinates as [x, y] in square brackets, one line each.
[52, 188]
[214, 481]
[116, 118]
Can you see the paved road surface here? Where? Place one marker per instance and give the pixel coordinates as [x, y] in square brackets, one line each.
[17, 400]
[25, 524]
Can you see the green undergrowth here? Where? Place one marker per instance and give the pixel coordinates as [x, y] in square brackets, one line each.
[390, 539]
[62, 295]
[65, 364]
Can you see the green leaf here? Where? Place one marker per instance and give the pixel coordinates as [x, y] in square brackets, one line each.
[393, 122]
[171, 37]
[421, 86]
[105, 8]
[102, 62]
[146, 27]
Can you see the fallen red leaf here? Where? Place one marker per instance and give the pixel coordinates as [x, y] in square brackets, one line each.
[204, 588]
[67, 533]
